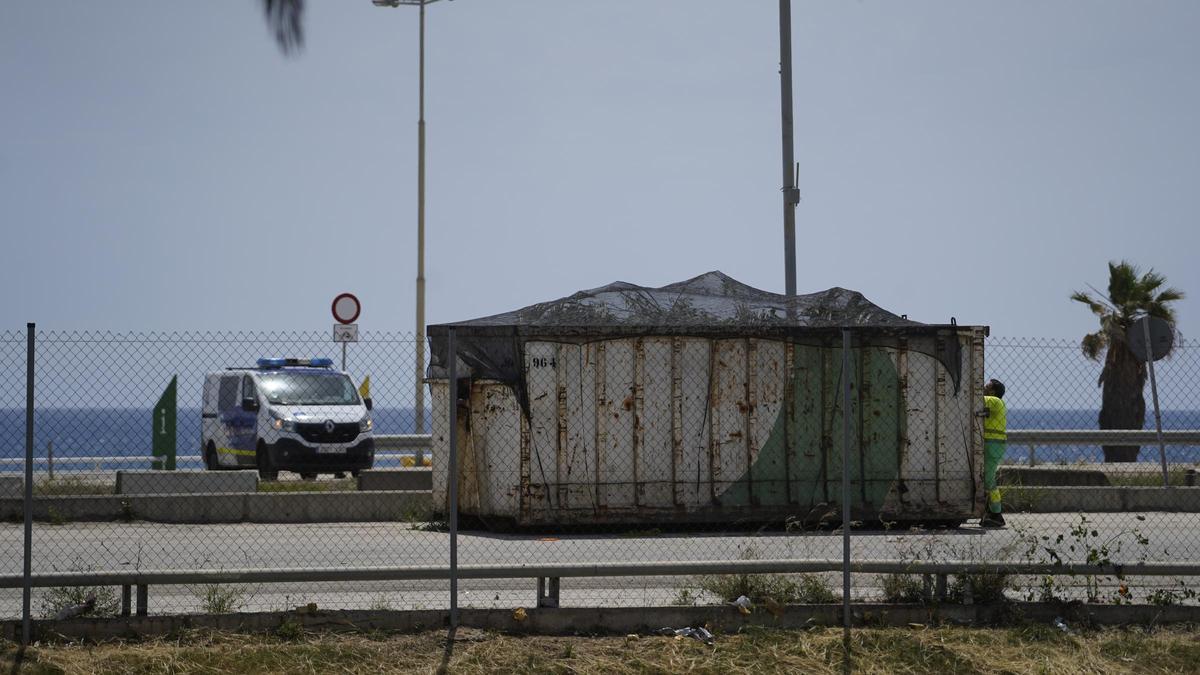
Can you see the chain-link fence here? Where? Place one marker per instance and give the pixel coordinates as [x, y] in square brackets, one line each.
[1052, 385]
[634, 452]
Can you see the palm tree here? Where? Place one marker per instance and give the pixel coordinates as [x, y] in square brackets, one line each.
[286, 20]
[1131, 295]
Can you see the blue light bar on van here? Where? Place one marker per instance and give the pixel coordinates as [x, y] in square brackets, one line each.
[280, 363]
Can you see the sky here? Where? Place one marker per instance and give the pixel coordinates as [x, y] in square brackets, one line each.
[164, 167]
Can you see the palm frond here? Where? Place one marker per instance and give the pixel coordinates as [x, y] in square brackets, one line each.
[1170, 295]
[1122, 282]
[1151, 281]
[1093, 344]
[1161, 310]
[285, 18]
[1098, 308]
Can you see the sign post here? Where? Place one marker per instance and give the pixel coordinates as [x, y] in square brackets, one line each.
[346, 309]
[163, 429]
[1150, 339]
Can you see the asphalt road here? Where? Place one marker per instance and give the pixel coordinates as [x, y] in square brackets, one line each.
[138, 545]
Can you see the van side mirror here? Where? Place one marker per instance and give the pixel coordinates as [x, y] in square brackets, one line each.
[367, 402]
[249, 404]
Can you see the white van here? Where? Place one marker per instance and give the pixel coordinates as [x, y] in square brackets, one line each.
[296, 415]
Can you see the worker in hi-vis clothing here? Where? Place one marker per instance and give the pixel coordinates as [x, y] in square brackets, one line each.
[995, 437]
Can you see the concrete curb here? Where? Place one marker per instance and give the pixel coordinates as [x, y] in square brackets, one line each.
[1047, 476]
[150, 482]
[12, 487]
[613, 620]
[407, 478]
[244, 507]
[1101, 499]
[390, 505]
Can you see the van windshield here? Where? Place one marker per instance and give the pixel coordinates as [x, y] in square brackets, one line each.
[315, 388]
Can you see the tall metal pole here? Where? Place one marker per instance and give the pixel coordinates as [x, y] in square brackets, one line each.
[420, 374]
[1162, 449]
[791, 195]
[27, 570]
[846, 499]
[452, 471]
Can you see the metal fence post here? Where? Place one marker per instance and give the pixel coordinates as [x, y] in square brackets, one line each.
[452, 470]
[27, 589]
[846, 499]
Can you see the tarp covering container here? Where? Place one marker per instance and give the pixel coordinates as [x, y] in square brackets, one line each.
[708, 401]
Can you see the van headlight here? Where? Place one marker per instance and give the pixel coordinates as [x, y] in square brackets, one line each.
[285, 425]
[364, 424]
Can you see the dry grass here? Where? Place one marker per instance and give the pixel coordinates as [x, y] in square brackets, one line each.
[913, 650]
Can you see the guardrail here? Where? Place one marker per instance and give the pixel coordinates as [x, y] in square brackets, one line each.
[142, 580]
[1087, 436]
[1035, 437]
[390, 449]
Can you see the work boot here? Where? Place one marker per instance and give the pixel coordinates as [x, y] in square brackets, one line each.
[992, 520]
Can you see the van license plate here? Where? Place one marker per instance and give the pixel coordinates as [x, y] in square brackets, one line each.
[331, 451]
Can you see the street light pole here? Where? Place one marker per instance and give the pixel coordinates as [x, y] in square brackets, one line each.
[419, 401]
[791, 194]
[419, 394]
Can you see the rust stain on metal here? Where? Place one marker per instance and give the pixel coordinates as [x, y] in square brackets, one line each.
[676, 422]
[601, 427]
[639, 431]
[563, 469]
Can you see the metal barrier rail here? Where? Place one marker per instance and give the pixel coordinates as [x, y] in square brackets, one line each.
[409, 443]
[548, 594]
[388, 448]
[1032, 438]
[557, 570]
[1096, 436]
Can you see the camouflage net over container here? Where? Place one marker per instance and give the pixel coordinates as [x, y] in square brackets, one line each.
[711, 305]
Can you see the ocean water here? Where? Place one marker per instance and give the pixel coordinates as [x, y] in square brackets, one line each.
[108, 432]
[123, 432]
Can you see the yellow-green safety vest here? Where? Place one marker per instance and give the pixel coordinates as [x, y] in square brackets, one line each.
[995, 425]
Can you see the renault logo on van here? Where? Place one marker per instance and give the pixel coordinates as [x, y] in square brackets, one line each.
[329, 426]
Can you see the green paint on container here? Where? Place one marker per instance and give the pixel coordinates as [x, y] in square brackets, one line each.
[801, 462]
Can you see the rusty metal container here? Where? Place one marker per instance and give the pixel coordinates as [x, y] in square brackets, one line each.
[717, 428]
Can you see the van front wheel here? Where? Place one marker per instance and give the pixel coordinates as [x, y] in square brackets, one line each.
[210, 457]
[266, 468]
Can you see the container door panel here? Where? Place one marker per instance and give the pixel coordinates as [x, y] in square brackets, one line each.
[617, 468]
[654, 417]
[497, 439]
[919, 463]
[692, 473]
[959, 423]
[730, 412]
[577, 367]
[541, 378]
[881, 428]
[768, 441]
[807, 435]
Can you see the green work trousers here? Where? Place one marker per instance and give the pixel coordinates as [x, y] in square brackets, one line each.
[993, 452]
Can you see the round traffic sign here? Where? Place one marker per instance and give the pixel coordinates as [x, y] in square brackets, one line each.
[346, 308]
[1162, 338]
